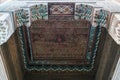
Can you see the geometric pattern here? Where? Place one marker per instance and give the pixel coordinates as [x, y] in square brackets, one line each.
[61, 8]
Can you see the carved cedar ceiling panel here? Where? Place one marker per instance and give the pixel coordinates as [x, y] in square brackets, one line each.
[61, 42]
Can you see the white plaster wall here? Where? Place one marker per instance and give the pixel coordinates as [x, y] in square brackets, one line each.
[7, 28]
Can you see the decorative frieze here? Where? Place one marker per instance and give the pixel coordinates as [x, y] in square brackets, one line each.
[21, 17]
[28, 16]
[44, 11]
[102, 18]
[61, 8]
[39, 12]
[61, 11]
[84, 12]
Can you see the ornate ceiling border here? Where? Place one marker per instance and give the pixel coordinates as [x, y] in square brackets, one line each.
[62, 68]
[87, 15]
[98, 16]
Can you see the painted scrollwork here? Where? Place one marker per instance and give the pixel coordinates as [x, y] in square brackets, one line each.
[84, 12]
[39, 12]
[3, 31]
[114, 28]
[21, 17]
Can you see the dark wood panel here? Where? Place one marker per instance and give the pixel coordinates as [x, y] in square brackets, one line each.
[60, 42]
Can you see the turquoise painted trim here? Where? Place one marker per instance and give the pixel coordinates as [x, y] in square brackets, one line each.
[55, 67]
[90, 42]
